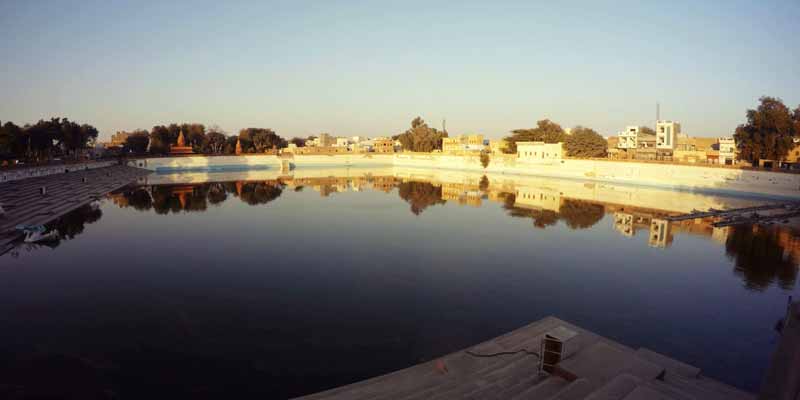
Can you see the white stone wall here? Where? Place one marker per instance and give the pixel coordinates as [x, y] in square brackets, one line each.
[668, 176]
[32, 172]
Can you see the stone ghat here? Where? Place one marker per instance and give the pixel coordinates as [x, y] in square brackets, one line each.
[35, 172]
[593, 368]
[24, 203]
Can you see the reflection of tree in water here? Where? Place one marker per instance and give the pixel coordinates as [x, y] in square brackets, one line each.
[580, 214]
[73, 223]
[139, 199]
[763, 255]
[483, 185]
[217, 193]
[69, 226]
[541, 218]
[420, 195]
[255, 193]
[577, 214]
[166, 199]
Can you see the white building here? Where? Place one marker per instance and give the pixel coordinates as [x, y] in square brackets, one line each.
[629, 138]
[667, 134]
[539, 152]
[342, 142]
[727, 151]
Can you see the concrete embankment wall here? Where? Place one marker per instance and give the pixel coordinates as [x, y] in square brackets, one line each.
[231, 163]
[675, 177]
[32, 172]
[666, 176]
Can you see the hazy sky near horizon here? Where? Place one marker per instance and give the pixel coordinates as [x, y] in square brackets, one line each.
[369, 67]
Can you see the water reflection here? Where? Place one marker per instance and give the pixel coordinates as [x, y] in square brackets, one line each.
[762, 256]
[69, 227]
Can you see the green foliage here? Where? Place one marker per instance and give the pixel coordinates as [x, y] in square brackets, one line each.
[546, 131]
[13, 140]
[46, 139]
[585, 143]
[485, 159]
[421, 137]
[259, 140]
[768, 132]
[215, 141]
[136, 142]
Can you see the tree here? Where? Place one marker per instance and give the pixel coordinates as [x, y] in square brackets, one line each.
[546, 131]
[421, 137]
[195, 136]
[12, 139]
[215, 141]
[259, 140]
[136, 142]
[161, 137]
[768, 132]
[299, 142]
[586, 143]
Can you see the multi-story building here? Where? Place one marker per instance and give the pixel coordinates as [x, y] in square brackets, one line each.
[667, 134]
[325, 140]
[342, 142]
[727, 150]
[383, 145]
[539, 152]
[463, 143]
[629, 138]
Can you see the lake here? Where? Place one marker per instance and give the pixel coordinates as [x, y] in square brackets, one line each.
[257, 284]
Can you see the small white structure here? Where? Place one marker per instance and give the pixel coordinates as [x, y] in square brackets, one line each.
[540, 152]
[727, 150]
[667, 134]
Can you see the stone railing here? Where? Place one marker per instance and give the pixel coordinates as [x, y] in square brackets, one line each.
[33, 172]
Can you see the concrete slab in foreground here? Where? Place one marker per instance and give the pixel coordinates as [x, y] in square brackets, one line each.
[595, 368]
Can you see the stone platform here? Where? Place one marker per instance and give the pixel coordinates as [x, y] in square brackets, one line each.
[23, 202]
[594, 368]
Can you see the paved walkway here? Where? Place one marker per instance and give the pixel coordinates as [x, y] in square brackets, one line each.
[594, 368]
[24, 203]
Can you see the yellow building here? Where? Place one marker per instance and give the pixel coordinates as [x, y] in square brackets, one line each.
[462, 143]
[383, 145]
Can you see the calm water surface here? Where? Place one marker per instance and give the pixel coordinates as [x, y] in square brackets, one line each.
[274, 288]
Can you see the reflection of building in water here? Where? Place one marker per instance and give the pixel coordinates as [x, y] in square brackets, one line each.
[384, 183]
[538, 198]
[623, 223]
[660, 235]
[720, 235]
[463, 193]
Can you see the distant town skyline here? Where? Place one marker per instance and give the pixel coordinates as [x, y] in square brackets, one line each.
[302, 68]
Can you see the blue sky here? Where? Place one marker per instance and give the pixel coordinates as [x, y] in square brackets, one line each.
[369, 67]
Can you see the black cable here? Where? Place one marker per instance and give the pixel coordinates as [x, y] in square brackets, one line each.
[504, 353]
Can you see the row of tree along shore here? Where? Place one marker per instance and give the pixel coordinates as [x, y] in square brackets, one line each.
[772, 130]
